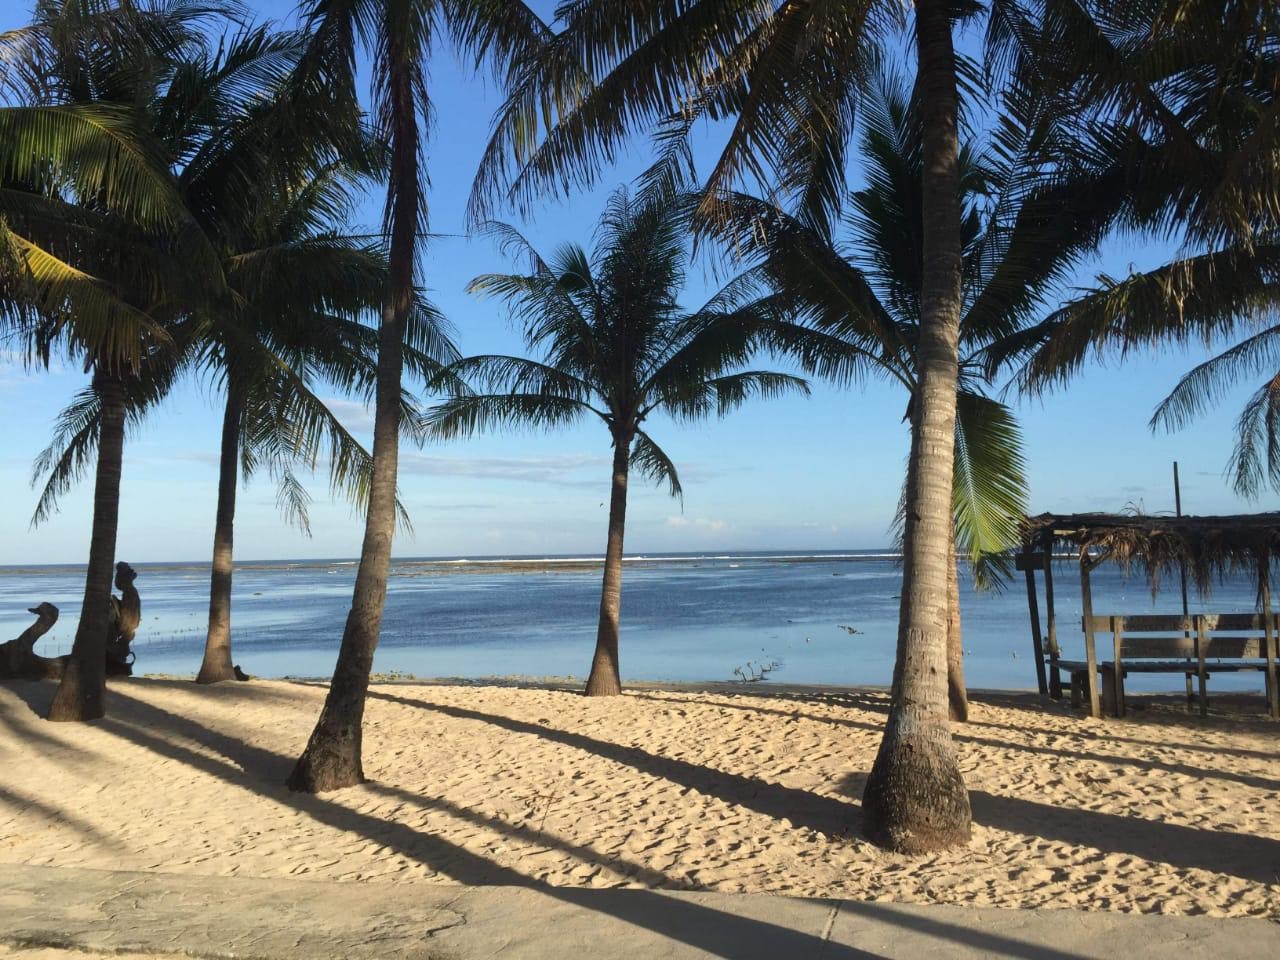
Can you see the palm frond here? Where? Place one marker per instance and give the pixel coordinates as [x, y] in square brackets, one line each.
[468, 415]
[989, 487]
[653, 463]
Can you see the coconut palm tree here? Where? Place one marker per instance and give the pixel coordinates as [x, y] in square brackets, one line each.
[301, 288]
[97, 245]
[616, 345]
[789, 77]
[301, 294]
[400, 35]
[1022, 234]
[251, 161]
[1180, 99]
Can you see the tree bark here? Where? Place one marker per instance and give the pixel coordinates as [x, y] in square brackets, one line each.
[957, 693]
[605, 679]
[81, 693]
[217, 666]
[18, 659]
[332, 758]
[915, 799]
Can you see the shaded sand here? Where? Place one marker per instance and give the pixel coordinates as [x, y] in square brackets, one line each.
[735, 792]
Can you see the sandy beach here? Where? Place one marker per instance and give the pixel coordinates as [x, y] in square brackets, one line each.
[752, 791]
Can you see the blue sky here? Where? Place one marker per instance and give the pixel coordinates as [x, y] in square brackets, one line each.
[817, 472]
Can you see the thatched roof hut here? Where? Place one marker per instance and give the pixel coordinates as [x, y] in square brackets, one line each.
[1203, 549]
[1207, 548]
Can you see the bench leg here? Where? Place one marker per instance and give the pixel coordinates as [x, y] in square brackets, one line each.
[1191, 697]
[1110, 705]
[1204, 691]
[1077, 687]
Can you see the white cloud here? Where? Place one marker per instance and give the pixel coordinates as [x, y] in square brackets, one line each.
[560, 469]
[355, 415]
[696, 523]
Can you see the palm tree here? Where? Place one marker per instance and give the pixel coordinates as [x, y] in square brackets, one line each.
[615, 344]
[301, 290]
[1021, 235]
[220, 119]
[399, 34]
[90, 222]
[1185, 111]
[790, 77]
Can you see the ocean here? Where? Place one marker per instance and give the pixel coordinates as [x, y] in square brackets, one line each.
[825, 617]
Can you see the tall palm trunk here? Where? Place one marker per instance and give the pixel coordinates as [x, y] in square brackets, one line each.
[82, 691]
[605, 679]
[217, 645]
[915, 799]
[332, 758]
[957, 693]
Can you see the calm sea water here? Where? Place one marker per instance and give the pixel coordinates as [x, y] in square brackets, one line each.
[822, 617]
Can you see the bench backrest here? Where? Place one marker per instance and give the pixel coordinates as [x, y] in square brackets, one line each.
[1163, 636]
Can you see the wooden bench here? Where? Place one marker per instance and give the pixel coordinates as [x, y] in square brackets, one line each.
[1195, 646]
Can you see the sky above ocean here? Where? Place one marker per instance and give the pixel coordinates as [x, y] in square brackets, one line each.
[817, 472]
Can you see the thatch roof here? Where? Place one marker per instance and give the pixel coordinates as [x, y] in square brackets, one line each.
[1209, 548]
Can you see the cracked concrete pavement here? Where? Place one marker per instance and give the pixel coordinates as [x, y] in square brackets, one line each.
[48, 912]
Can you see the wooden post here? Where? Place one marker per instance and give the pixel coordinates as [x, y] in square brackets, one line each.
[1270, 639]
[1202, 641]
[1091, 654]
[1182, 571]
[1055, 676]
[1117, 635]
[1033, 607]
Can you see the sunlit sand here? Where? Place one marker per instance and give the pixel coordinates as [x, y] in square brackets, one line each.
[688, 790]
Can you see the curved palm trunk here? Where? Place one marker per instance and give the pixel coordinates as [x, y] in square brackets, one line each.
[605, 680]
[332, 758]
[915, 799]
[957, 693]
[217, 645]
[82, 691]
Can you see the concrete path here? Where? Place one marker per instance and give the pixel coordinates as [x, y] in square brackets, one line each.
[45, 911]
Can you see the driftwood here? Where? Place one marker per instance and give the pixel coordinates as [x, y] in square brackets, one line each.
[19, 661]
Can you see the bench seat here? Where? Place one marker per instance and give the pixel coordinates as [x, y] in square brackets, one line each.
[1168, 666]
[1196, 646]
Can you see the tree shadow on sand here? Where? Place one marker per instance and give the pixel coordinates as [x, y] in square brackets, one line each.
[827, 815]
[263, 771]
[770, 711]
[1217, 851]
[716, 932]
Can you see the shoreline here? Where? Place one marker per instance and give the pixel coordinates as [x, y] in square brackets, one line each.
[1025, 696]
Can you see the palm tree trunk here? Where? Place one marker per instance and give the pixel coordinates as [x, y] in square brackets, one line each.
[81, 693]
[605, 679]
[957, 693]
[332, 758]
[915, 799]
[217, 645]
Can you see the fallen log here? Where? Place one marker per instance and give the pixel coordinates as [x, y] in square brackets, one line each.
[18, 659]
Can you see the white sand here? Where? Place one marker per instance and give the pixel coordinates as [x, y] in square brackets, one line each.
[1160, 812]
